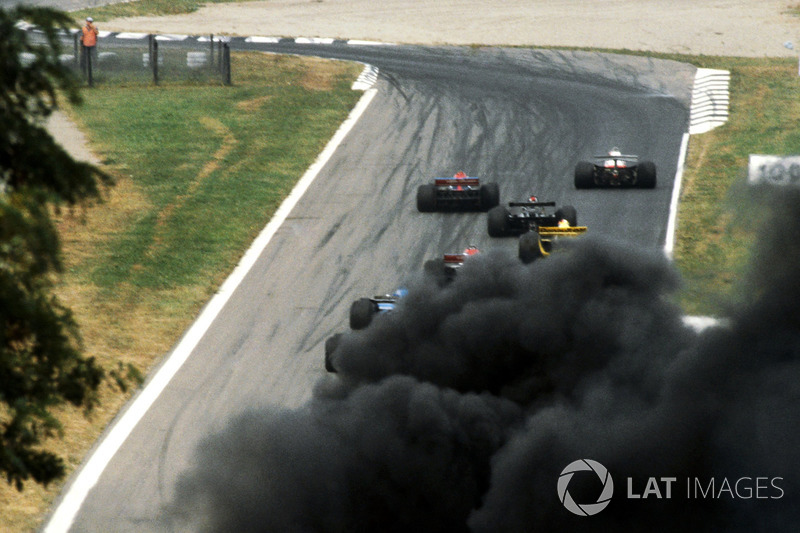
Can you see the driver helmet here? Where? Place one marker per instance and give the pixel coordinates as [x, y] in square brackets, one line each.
[460, 175]
[533, 198]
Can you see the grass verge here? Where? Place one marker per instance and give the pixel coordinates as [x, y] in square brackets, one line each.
[200, 170]
[717, 219]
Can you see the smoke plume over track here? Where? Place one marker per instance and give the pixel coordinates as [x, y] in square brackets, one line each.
[459, 411]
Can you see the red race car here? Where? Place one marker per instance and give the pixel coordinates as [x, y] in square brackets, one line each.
[459, 193]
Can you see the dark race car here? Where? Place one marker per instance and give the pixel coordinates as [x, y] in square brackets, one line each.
[459, 193]
[537, 226]
[363, 309]
[444, 269]
[615, 170]
[361, 313]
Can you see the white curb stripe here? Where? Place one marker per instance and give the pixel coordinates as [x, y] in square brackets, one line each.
[62, 518]
[710, 100]
[257, 39]
[131, 35]
[313, 40]
[366, 79]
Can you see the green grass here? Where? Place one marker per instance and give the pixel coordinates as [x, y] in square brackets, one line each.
[212, 166]
[145, 8]
[718, 218]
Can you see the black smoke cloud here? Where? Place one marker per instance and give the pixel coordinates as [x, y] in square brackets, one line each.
[459, 411]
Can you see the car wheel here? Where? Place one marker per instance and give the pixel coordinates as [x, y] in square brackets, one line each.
[530, 247]
[646, 175]
[426, 198]
[497, 221]
[568, 213]
[584, 175]
[361, 312]
[490, 196]
[331, 343]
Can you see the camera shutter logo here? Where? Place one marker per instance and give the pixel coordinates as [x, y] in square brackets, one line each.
[586, 509]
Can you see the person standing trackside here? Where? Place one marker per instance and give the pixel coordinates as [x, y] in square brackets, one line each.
[89, 41]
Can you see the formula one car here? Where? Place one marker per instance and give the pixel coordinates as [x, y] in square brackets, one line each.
[363, 309]
[459, 193]
[538, 228]
[361, 313]
[522, 217]
[615, 170]
[539, 242]
[445, 268]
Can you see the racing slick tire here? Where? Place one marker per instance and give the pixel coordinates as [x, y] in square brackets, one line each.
[646, 175]
[568, 213]
[361, 312]
[426, 198]
[497, 221]
[584, 175]
[490, 196]
[331, 343]
[530, 247]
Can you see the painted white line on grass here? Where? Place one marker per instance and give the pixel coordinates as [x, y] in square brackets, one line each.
[672, 221]
[69, 505]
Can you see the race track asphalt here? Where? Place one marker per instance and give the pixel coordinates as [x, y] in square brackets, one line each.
[519, 117]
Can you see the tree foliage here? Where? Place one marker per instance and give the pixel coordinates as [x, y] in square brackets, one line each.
[41, 360]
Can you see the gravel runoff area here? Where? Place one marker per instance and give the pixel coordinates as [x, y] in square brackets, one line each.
[754, 28]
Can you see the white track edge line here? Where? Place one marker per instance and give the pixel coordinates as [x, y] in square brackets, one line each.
[62, 518]
[669, 244]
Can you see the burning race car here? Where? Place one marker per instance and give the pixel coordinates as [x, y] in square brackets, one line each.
[459, 193]
[615, 170]
[361, 313]
[444, 269]
[537, 226]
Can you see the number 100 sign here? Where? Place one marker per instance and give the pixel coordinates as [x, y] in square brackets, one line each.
[774, 170]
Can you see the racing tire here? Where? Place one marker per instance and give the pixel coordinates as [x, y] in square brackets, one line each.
[361, 312]
[497, 221]
[426, 198]
[331, 343]
[646, 175]
[584, 175]
[490, 196]
[530, 247]
[568, 213]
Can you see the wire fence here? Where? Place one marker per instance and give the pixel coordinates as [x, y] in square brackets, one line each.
[147, 59]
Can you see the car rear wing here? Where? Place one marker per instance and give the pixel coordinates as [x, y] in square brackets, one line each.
[450, 259]
[531, 204]
[557, 231]
[621, 156]
[464, 182]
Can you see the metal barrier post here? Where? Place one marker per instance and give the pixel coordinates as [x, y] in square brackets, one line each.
[227, 68]
[89, 65]
[155, 61]
[76, 50]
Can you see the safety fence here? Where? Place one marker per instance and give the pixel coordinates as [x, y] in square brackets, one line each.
[129, 58]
